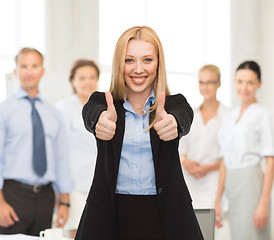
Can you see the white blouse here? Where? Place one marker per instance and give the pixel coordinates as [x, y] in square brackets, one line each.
[247, 141]
[201, 145]
[82, 144]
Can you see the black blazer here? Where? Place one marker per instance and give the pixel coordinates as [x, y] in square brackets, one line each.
[98, 220]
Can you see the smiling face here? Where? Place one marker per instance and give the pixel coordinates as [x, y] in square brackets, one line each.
[246, 84]
[140, 69]
[29, 70]
[85, 81]
[208, 84]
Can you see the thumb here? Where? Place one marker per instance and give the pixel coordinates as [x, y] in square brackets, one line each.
[14, 216]
[111, 112]
[160, 111]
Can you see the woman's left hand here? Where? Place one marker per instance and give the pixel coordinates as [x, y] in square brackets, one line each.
[261, 216]
[166, 124]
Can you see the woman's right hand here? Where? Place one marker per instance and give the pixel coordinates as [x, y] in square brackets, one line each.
[106, 125]
[218, 216]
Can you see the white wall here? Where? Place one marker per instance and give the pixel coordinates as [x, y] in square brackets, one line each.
[245, 25]
[71, 33]
[252, 38]
[267, 52]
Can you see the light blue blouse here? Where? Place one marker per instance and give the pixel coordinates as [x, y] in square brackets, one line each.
[136, 173]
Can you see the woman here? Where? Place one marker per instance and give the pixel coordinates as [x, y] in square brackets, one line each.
[84, 77]
[246, 138]
[199, 150]
[138, 190]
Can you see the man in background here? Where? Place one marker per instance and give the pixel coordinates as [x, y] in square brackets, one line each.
[33, 154]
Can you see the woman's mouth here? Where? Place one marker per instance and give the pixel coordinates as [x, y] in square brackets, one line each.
[138, 80]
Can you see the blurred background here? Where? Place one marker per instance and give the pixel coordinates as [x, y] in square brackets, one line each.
[193, 33]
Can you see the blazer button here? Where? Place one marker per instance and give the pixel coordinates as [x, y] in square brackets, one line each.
[160, 190]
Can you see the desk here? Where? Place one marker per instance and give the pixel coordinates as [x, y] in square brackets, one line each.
[17, 237]
[23, 237]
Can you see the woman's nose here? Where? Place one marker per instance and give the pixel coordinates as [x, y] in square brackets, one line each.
[138, 67]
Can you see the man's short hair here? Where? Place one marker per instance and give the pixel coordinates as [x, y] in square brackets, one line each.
[28, 50]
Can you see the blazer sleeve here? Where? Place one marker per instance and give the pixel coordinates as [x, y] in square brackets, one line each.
[92, 110]
[178, 106]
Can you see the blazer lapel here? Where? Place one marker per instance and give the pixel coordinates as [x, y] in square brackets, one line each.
[117, 140]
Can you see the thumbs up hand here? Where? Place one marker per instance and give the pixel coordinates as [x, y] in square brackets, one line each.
[166, 124]
[106, 125]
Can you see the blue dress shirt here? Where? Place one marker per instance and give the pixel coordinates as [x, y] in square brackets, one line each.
[136, 173]
[16, 143]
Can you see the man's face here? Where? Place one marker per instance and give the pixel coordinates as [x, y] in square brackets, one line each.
[29, 70]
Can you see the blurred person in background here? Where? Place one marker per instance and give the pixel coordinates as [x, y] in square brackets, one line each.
[246, 138]
[200, 149]
[33, 154]
[84, 78]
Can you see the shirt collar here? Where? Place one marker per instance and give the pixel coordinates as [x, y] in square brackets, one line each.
[150, 100]
[21, 93]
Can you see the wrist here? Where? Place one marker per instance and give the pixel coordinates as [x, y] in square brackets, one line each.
[264, 201]
[217, 201]
[183, 158]
[207, 168]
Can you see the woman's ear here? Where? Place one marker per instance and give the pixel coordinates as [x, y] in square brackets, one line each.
[219, 84]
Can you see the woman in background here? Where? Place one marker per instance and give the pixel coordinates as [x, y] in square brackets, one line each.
[84, 77]
[246, 138]
[200, 150]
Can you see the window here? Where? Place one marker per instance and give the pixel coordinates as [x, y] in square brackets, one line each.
[22, 24]
[193, 33]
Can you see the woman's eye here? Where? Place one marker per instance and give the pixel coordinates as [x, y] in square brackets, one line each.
[128, 60]
[148, 60]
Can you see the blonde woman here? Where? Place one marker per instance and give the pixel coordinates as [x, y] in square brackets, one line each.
[138, 190]
[199, 150]
[246, 138]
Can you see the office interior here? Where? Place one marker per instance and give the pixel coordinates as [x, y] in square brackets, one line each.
[193, 33]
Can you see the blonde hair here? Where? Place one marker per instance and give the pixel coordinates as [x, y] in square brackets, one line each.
[212, 68]
[118, 86]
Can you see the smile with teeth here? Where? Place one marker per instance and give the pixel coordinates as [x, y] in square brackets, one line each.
[138, 80]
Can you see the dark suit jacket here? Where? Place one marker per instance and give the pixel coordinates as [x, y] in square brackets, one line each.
[98, 221]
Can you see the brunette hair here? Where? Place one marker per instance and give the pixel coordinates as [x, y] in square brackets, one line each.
[82, 63]
[251, 65]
